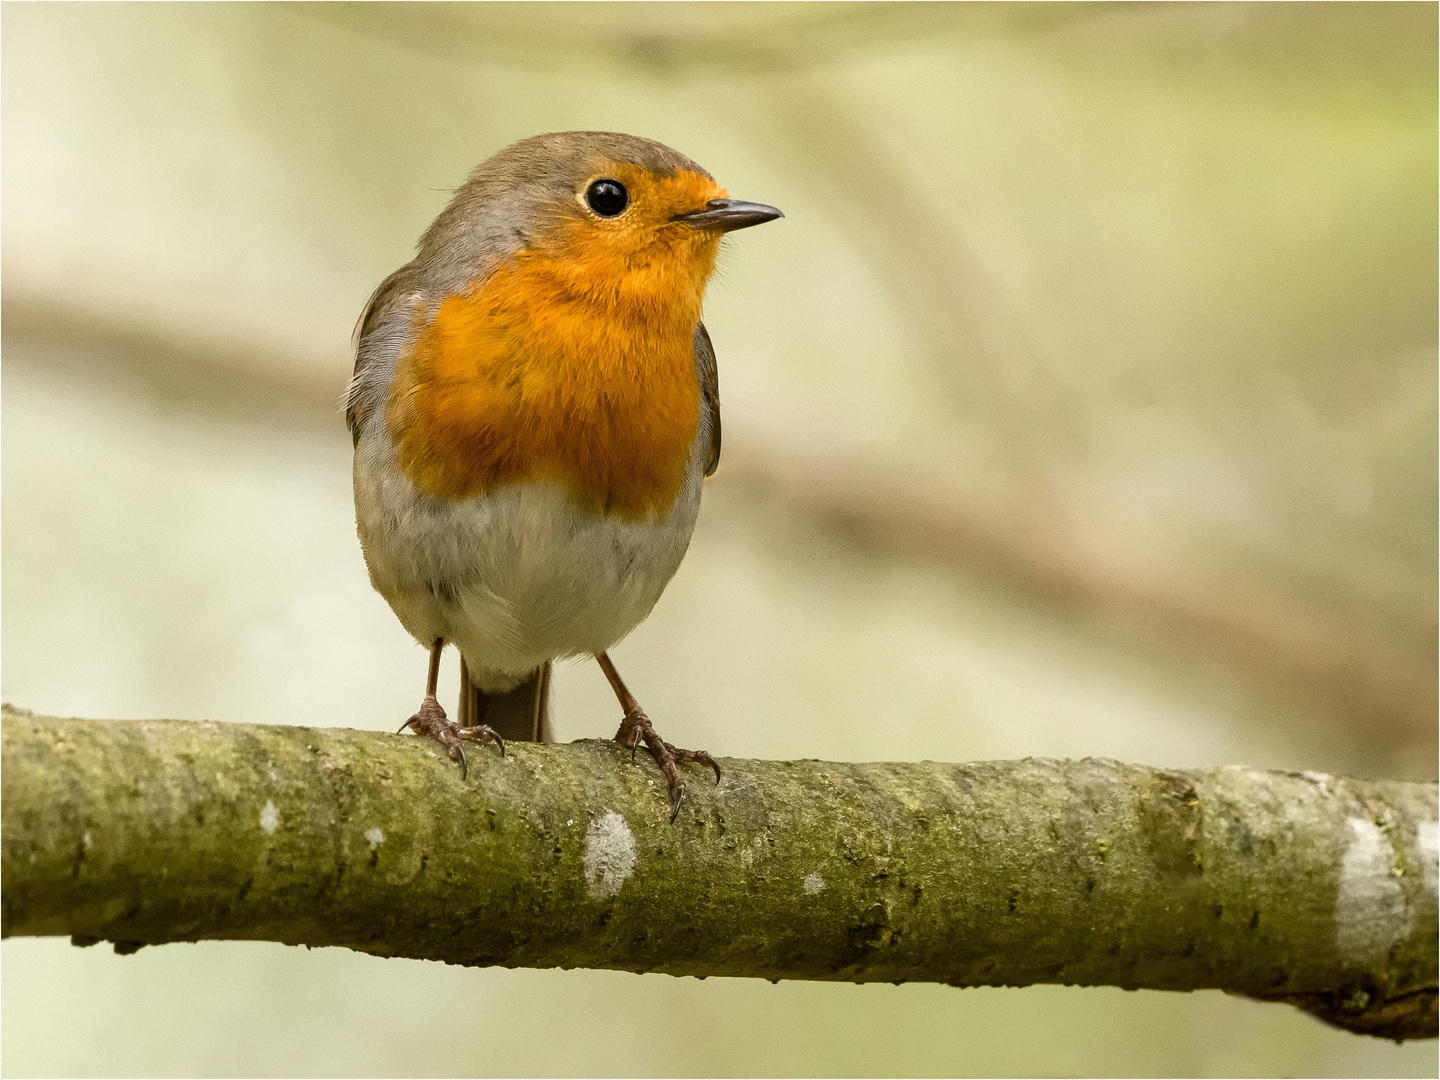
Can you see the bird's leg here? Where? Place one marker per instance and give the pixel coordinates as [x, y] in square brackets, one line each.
[432, 722]
[635, 728]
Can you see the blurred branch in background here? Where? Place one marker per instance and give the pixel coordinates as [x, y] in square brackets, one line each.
[670, 38]
[1313, 890]
[1306, 639]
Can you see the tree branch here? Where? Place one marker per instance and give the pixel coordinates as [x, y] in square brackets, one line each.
[1314, 890]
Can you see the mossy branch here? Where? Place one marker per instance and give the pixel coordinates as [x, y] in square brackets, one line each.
[1314, 890]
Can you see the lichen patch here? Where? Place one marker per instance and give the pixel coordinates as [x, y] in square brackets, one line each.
[1427, 839]
[609, 855]
[1371, 912]
[269, 817]
[1320, 780]
[813, 883]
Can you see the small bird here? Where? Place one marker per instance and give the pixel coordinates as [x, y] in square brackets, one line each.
[534, 405]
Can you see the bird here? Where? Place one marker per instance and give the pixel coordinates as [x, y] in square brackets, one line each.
[534, 405]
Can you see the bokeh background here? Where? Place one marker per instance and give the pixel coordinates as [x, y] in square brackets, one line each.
[1084, 403]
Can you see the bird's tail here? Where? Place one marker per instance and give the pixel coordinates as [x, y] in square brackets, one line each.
[522, 714]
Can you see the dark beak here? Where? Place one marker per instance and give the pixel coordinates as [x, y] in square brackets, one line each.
[727, 215]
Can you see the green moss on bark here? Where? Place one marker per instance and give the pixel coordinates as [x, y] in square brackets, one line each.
[993, 873]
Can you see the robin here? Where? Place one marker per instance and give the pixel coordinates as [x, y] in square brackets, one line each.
[534, 405]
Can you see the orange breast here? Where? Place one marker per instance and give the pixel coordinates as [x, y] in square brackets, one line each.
[548, 373]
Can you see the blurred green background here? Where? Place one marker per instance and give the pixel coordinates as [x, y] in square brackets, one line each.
[1084, 403]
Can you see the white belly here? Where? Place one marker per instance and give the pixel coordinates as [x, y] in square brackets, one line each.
[518, 576]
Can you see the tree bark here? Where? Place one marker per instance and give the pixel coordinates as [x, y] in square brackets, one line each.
[1315, 890]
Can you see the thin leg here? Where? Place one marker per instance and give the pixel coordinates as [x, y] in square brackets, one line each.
[432, 677]
[432, 722]
[635, 728]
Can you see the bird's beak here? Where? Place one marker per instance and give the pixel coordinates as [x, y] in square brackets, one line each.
[727, 215]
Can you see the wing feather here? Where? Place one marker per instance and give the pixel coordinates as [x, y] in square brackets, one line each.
[709, 373]
[360, 395]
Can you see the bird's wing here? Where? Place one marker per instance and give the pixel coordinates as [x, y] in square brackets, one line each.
[371, 352]
[709, 392]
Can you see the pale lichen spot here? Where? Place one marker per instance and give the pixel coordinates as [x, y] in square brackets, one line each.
[609, 855]
[1427, 839]
[269, 817]
[1371, 912]
[1320, 780]
[813, 883]
[374, 836]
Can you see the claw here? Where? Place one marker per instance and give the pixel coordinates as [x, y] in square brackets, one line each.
[636, 729]
[481, 733]
[696, 755]
[431, 722]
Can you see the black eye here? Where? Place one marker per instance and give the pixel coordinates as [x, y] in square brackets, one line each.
[607, 197]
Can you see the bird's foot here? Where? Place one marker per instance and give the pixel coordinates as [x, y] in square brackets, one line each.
[636, 728]
[432, 722]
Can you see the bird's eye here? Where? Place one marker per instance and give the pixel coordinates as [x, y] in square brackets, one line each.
[608, 198]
